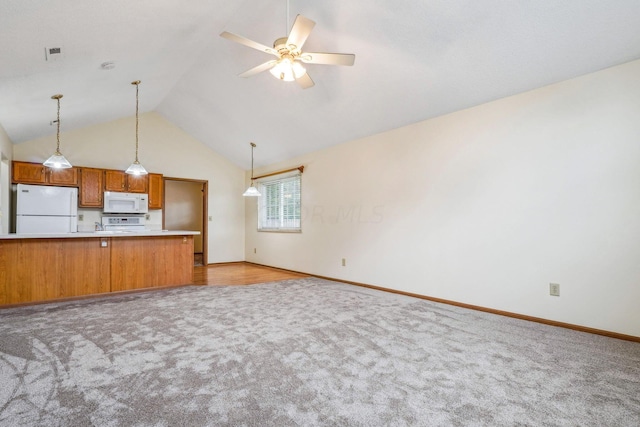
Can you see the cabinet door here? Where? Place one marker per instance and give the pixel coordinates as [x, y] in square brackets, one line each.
[91, 188]
[115, 180]
[63, 176]
[156, 191]
[29, 173]
[137, 183]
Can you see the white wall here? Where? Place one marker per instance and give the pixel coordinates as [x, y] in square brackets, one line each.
[166, 149]
[486, 206]
[6, 153]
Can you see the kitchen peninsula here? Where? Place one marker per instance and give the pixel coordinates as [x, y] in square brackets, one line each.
[45, 267]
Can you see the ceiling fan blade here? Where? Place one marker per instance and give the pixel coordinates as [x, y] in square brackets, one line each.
[250, 43]
[260, 68]
[328, 58]
[305, 81]
[300, 31]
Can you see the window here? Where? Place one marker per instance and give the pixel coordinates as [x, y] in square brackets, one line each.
[279, 206]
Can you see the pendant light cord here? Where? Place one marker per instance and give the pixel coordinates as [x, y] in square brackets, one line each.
[57, 98]
[137, 83]
[58, 131]
[252, 147]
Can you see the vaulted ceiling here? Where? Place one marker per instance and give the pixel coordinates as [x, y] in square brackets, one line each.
[414, 60]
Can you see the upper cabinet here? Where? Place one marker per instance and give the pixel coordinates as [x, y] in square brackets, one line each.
[36, 173]
[92, 182]
[156, 191]
[115, 180]
[138, 183]
[63, 176]
[91, 188]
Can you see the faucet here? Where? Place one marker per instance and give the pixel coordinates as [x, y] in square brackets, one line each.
[99, 226]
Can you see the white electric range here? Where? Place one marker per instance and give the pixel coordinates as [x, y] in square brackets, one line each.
[123, 222]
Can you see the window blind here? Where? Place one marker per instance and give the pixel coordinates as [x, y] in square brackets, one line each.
[279, 206]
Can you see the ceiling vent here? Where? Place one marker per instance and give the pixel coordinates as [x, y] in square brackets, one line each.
[53, 53]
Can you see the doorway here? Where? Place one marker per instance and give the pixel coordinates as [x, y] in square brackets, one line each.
[185, 208]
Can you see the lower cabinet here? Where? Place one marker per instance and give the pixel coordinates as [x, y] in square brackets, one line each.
[41, 269]
[49, 269]
[142, 262]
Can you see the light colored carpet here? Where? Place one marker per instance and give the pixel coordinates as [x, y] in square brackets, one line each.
[303, 353]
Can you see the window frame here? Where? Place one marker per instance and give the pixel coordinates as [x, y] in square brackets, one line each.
[280, 211]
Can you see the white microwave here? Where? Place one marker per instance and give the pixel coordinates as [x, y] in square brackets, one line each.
[115, 202]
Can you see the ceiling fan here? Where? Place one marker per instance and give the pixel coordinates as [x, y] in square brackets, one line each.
[289, 55]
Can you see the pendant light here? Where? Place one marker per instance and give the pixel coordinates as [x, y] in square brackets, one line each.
[136, 168]
[252, 191]
[57, 160]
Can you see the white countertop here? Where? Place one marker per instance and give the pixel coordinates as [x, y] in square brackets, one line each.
[145, 233]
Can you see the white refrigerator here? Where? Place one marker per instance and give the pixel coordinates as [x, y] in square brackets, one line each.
[42, 209]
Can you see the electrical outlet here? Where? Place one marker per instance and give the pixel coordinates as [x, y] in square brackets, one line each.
[254, 251]
[554, 289]
[210, 218]
[80, 217]
[344, 262]
[147, 216]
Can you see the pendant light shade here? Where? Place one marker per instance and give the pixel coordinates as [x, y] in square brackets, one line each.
[57, 160]
[136, 168]
[252, 191]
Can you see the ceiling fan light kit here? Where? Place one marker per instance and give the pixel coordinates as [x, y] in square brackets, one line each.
[288, 51]
[287, 70]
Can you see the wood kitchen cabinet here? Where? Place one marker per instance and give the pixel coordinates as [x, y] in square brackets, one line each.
[144, 262]
[45, 269]
[92, 182]
[68, 177]
[48, 269]
[29, 173]
[156, 191]
[137, 183]
[91, 188]
[36, 173]
[115, 180]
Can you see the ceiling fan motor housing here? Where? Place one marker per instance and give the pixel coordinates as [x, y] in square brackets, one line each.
[285, 50]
